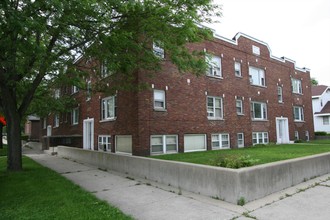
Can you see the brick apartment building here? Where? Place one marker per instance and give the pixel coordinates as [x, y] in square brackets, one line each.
[248, 96]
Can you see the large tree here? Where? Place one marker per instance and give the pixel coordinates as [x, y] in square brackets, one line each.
[39, 39]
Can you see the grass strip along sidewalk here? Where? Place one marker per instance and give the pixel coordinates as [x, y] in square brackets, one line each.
[40, 193]
[251, 155]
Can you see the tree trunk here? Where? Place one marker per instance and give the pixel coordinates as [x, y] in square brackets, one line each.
[1, 144]
[14, 162]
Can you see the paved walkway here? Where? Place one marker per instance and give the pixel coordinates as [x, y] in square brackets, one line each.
[148, 200]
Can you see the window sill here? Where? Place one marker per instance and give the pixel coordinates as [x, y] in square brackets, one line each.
[281, 103]
[259, 86]
[107, 120]
[299, 121]
[215, 119]
[239, 77]
[220, 148]
[240, 114]
[260, 120]
[300, 94]
[160, 110]
[215, 77]
[74, 124]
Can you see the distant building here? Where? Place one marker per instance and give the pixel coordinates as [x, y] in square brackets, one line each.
[247, 96]
[32, 128]
[321, 107]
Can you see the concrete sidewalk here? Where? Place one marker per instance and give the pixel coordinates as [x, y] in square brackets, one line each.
[146, 200]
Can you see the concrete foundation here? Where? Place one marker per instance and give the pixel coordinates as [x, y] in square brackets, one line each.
[226, 184]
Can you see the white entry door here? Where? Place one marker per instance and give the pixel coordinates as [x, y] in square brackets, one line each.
[282, 130]
[88, 134]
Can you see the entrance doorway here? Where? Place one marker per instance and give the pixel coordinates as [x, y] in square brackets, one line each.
[282, 130]
[88, 134]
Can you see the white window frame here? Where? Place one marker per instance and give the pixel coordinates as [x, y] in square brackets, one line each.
[75, 89]
[263, 110]
[108, 108]
[240, 140]
[75, 116]
[211, 110]
[160, 98]
[296, 86]
[326, 120]
[164, 143]
[307, 135]
[104, 140]
[88, 90]
[219, 139]
[255, 50]
[56, 120]
[104, 71]
[280, 94]
[57, 93]
[238, 69]
[214, 66]
[257, 136]
[300, 111]
[239, 106]
[158, 50]
[196, 149]
[258, 74]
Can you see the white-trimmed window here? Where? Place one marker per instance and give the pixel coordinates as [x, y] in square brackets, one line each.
[214, 108]
[279, 94]
[75, 116]
[104, 71]
[159, 100]
[214, 64]
[158, 49]
[194, 142]
[108, 108]
[124, 144]
[259, 110]
[296, 135]
[240, 140]
[56, 120]
[298, 113]
[162, 144]
[239, 106]
[220, 141]
[104, 143]
[89, 90]
[260, 138]
[74, 89]
[255, 50]
[296, 86]
[326, 120]
[238, 71]
[257, 76]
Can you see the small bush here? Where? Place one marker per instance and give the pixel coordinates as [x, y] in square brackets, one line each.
[24, 137]
[320, 133]
[234, 161]
[298, 141]
[241, 201]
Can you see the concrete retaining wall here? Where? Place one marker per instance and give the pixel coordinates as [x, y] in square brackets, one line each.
[227, 184]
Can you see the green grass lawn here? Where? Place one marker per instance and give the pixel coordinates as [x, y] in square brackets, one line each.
[40, 193]
[263, 154]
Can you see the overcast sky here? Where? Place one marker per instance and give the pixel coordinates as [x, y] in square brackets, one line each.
[296, 29]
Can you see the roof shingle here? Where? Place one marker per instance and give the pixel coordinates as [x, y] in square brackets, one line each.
[318, 90]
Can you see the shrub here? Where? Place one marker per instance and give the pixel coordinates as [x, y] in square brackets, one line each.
[24, 137]
[234, 161]
[298, 141]
[259, 145]
[320, 133]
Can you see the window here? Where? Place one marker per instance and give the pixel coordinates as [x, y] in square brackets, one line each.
[162, 144]
[257, 76]
[104, 143]
[108, 108]
[280, 94]
[326, 120]
[214, 108]
[57, 93]
[296, 135]
[240, 140]
[259, 138]
[220, 141]
[214, 64]
[194, 142]
[239, 106]
[298, 113]
[255, 50]
[238, 69]
[159, 100]
[104, 70]
[307, 135]
[75, 116]
[296, 86]
[124, 144]
[88, 90]
[56, 120]
[75, 89]
[158, 50]
[259, 110]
